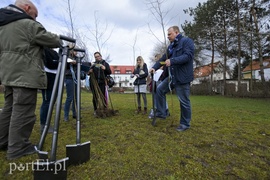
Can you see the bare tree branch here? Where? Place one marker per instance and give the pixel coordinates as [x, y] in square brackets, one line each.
[99, 35]
[157, 11]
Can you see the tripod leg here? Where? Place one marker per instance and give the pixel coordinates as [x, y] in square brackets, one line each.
[153, 100]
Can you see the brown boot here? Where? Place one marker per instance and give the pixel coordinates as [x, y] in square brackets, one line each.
[144, 110]
[139, 110]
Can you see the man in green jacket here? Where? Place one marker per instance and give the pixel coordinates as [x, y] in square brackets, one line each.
[22, 73]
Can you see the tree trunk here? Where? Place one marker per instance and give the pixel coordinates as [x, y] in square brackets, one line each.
[212, 62]
[258, 39]
[239, 48]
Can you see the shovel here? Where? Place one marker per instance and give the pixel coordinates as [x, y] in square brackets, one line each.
[50, 168]
[153, 99]
[78, 153]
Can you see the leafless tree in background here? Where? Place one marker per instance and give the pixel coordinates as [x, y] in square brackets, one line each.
[72, 32]
[155, 7]
[100, 35]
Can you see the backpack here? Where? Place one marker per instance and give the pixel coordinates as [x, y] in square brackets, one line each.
[51, 58]
[110, 81]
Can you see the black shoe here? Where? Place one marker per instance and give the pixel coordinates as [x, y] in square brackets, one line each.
[30, 150]
[167, 113]
[4, 147]
[75, 117]
[182, 128]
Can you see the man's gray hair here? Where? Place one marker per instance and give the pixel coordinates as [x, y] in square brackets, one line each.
[20, 3]
[175, 28]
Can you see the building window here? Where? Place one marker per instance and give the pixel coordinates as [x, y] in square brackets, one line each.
[265, 64]
[128, 72]
[116, 71]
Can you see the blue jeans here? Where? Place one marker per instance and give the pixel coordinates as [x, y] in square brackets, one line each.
[71, 98]
[183, 92]
[167, 107]
[46, 96]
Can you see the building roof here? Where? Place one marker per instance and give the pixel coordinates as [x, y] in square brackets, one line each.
[256, 65]
[122, 68]
[204, 71]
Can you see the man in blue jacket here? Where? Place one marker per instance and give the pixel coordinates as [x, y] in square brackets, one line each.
[179, 61]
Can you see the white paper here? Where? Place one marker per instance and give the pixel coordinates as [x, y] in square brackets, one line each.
[53, 71]
[157, 74]
[133, 79]
[141, 72]
[70, 60]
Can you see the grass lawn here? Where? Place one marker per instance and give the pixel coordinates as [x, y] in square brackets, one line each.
[229, 138]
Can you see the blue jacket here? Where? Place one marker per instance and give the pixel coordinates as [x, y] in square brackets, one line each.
[181, 54]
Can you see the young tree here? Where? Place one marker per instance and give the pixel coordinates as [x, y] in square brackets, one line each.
[100, 35]
[72, 30]
[160, 15]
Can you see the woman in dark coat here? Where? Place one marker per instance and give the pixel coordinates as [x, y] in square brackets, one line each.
[141, 72]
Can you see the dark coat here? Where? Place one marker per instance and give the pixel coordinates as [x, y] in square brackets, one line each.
[143, 73]
[51, 58]
[99, 73]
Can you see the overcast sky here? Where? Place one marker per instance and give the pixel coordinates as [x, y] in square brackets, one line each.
[126, 19]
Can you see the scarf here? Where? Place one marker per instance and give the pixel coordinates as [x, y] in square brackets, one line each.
[12, 13]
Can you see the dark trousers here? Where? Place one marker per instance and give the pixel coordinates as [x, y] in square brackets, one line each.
[71, 98]
[17, 119]
[46, 98]
[139, 99]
